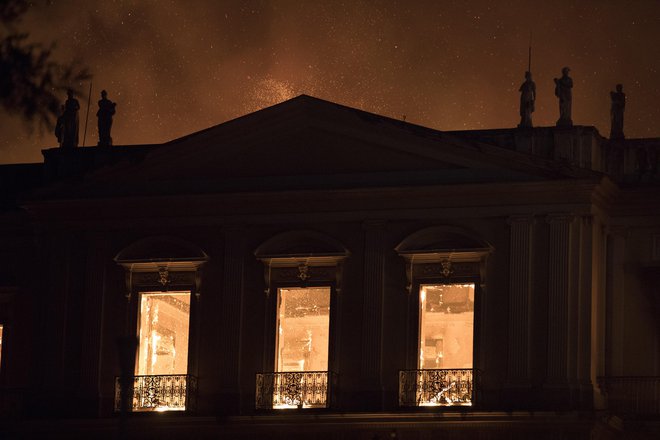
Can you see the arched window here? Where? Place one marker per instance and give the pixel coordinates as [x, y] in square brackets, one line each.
[302, 271]
[162, 278]
[445, 267]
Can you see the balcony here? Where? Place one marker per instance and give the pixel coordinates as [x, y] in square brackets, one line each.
[158, 393]
[436, 387]
[632, 395]
[305, 389]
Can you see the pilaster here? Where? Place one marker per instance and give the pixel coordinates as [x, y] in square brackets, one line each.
[520, 292]
[229, 323]
[559, 285]
[94, 294]
[372, 312]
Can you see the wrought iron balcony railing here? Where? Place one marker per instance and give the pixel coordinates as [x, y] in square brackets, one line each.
[632, 395]
[158, 393]
[304, 389]
[436, 387]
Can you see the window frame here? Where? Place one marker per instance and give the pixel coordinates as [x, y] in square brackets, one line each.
[157, 264]
[298, 259]
[138, 312]
[300, 272]
[436, 255]
[149, 281]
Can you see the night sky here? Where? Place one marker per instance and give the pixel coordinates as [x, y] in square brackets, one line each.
[176, 67]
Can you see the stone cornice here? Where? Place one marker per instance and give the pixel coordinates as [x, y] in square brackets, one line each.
[324, 200]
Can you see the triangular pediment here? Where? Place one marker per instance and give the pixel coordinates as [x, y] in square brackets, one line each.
[308, 143]
[290, 150]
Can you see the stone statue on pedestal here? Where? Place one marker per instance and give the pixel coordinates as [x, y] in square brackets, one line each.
[527, 97]
[104, 115]
[563, 90]
[616, 112]
[69, 129]
[59, 126]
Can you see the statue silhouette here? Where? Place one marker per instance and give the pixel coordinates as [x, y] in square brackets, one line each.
[70, 121]
[527, 97]
[616, 112]
[59, 126]
[563, 91]
[104, 114]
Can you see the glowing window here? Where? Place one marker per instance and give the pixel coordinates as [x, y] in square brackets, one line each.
[163, 329]
[303, 324]
[446, 326]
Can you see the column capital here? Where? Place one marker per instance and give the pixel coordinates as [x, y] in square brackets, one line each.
[373, 223]
[560, 217]
[521, 219]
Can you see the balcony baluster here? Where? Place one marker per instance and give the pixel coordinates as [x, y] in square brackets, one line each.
[436, 387]
[308, 389]
[160, 393]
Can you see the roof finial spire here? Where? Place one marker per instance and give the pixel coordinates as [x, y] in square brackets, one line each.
[527, 92]
[529, 54]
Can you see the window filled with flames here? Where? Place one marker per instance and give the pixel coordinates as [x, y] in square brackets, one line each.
[303, 329]
[301, 357]
[446, 334]
[163, 333]
[446, 326]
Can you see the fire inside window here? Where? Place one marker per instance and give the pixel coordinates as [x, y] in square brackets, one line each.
[303, 325]
[446, 333]
[162, 361]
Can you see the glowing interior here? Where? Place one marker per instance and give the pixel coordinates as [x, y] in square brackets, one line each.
[163, 333]
[446, 326]
[446, 331]
[303, 324]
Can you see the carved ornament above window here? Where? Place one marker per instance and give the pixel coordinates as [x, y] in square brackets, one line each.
[301, 258]
[443, 252]
[162, 263]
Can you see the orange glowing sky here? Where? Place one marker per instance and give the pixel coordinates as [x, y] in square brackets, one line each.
[175, 67]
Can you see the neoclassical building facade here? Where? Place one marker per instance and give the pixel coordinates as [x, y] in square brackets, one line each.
[313, 269]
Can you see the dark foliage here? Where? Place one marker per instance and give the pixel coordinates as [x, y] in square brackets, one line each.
[32, 84]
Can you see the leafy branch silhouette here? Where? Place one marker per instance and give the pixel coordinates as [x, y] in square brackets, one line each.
[32, 82]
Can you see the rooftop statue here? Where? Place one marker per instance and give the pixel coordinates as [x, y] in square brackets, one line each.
[616, 112]
[104, 114]
[70, 123]
[563, 90]
[59, 126]
[527, 97]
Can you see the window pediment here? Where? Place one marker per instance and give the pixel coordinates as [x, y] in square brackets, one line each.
[443, 252]
[160, 249]
[442, 242]
[162, 263]
[300, 244]
[301, 257]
